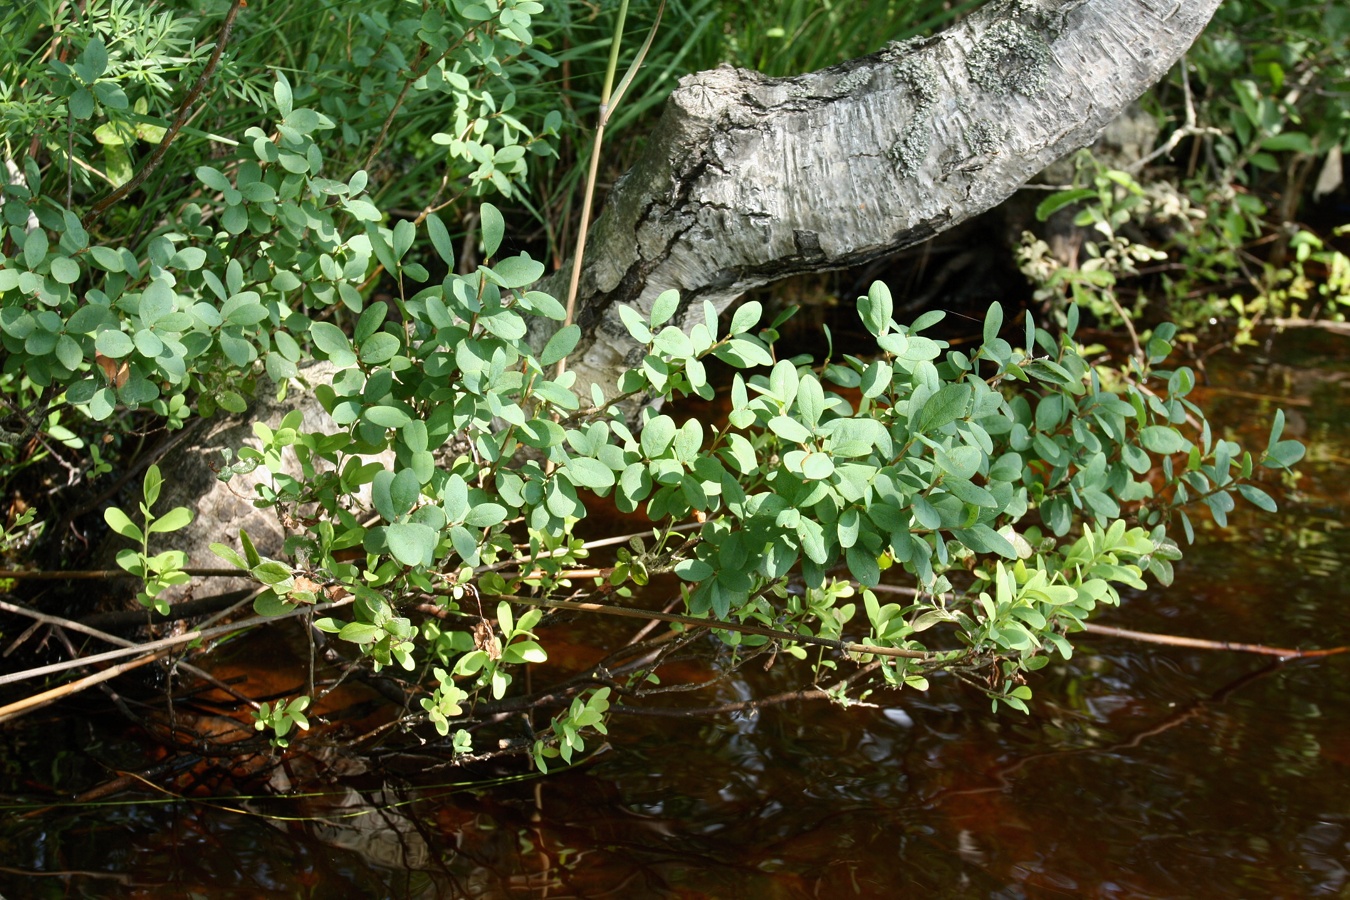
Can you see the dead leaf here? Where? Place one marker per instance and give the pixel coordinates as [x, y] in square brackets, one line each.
[116, 372]
[305, 584]
[485, 640]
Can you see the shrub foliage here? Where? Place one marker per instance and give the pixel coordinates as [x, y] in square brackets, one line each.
[1016, 484]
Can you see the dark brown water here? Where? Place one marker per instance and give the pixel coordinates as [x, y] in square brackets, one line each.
[1143, 771]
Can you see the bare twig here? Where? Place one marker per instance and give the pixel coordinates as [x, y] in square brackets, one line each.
[1189, 129]
[71, 625]
[398, 103]
[1172, 640]
[142, 462]
[166, 643]
[105, 574]
[717, 625]
[751, 705]
[1342, 328]
[1169, 640]
[37, 701]
[187, 609]
[179, 120]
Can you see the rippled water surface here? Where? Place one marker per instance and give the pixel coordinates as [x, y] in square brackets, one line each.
[1143, 771]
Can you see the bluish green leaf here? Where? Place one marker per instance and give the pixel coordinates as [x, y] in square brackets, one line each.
[379, 347]
[848, 527]
[68, 352]
[993, 322]
[693, 570]
[65, 270]
[789, 429]
[927, 320]
[969, 493]
[876, 378]
[386, 416]
[269, 604]
[744, 353]
[657, 435]
[405, 232]
[589, 473]
[637, 327]
[493, 228]
[817, 466]
[485, 515]
[231, 401]
[361, 210]
[411, 543]
[404, 491]
[332, 342]
[107, 258]
[114, 344]
[440, 239]
[93, 61]
[863, 565]
[281, 92]
[1283, 454]
[812, 538]
[518, 271]
[35, 248]
[746, 317]
[1257, 497]
[876, 308]
[663, 307]
[1163, 439]
[688, 440]
[943, 408]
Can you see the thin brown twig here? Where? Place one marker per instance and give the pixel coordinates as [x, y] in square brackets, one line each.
[71, 625]
[1169, 640]
[717, 625]
[1172, 640]
[188, 637]
[18, 641]
[398, 103]
[1341, 328]
[750, 705]
[119, 877]
[37, 701]
[104, 574]
[186, 609]
[179, 120]
[141, 463]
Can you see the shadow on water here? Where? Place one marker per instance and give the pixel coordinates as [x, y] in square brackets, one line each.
[1142, 772]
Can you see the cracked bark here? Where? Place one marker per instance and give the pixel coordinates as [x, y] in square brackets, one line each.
[749, 179]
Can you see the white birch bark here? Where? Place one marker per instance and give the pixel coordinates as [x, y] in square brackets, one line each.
[748, 179]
